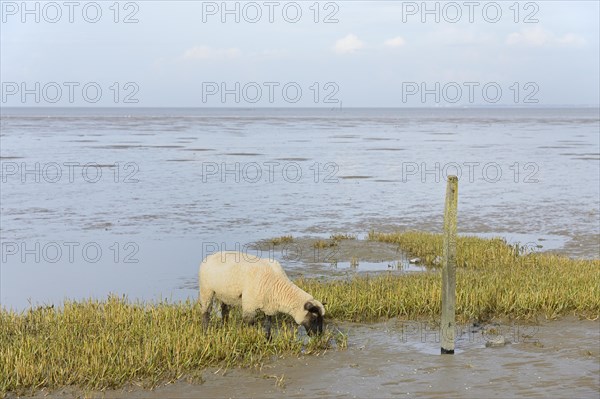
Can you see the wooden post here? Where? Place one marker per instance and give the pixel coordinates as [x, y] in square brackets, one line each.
[449, 267]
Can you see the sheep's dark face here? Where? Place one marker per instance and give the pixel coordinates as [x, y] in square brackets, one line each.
[313, 321]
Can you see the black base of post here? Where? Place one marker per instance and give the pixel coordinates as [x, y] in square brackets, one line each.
[447, 351]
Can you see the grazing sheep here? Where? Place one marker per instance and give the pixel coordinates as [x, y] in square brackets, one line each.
[234, 278]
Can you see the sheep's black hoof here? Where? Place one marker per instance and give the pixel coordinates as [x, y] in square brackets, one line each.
[268, 322]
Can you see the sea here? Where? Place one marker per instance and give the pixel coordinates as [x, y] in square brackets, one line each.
[128, 201]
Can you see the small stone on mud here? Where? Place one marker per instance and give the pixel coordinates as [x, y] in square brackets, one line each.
[496, 342]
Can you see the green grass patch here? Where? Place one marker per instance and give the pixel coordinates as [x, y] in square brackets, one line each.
[282, 240]
[494, 279]
[96, 345]
[322, 244]
[342, 236]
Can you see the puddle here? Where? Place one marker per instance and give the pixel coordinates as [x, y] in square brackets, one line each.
[401, 265]
[301, 258]
[533, 242]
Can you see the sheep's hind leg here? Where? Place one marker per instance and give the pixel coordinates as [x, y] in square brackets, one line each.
[205, 319]
[268, 322]
[225, 312]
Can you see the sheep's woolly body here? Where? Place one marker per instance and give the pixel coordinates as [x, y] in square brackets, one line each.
[254, 283]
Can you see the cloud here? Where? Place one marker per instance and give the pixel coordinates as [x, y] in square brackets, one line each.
[571, 39]
[348, 44]
[209, 53]
[397, 41]
[538, 37]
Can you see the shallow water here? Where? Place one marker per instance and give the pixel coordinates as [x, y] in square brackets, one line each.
[175, 184]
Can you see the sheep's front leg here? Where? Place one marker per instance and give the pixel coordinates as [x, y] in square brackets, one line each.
[268, 322]
[206, 298]
[248, 317]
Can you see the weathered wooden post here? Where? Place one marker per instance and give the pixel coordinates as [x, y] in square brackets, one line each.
[448, 323]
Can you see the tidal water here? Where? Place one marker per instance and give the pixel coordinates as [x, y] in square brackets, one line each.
[128, 201]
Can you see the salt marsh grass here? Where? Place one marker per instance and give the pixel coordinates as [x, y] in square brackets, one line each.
[322, 244]
[494, 279]
[104, 344]
[282, 240]
[342, 236]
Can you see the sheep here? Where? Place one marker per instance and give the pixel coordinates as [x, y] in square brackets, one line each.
[234, 279]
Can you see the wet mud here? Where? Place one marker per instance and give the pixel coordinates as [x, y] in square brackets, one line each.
[402, 359]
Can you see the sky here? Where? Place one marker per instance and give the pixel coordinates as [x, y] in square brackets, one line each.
[300, 54]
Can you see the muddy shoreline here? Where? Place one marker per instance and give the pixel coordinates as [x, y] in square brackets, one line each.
[401, 358]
